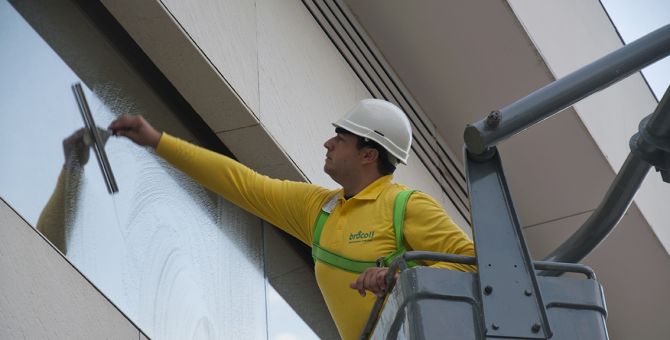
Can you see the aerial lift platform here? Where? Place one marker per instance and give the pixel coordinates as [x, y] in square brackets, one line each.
[512, 296]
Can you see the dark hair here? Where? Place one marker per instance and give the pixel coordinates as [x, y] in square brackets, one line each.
[384, 165]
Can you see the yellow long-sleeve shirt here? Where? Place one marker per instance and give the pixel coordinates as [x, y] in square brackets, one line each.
[51, 222]
[57, 215]
[358, 228]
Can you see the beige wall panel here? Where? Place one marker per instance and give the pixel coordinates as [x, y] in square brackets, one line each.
[304, 84]
[225, 31]
[555, 170]
[182, 61]
[571, 34]
[542, 239]
[43, 296]
[459, 59]
[632, 266]
[255, 148]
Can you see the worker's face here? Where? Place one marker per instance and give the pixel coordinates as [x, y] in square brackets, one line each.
[342, 156]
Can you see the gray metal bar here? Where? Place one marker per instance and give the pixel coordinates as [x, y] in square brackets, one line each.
[566, 91]
[565, 268]
[607, 215]
[438, 257]
[454, 258]
[510, 296]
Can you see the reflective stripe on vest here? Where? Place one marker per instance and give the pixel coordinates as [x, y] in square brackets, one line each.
[356, 266]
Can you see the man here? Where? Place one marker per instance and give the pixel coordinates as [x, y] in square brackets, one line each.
[349, 229]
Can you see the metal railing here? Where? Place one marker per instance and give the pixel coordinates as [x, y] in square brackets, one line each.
[400, 264]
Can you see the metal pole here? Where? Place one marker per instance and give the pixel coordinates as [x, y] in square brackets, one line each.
[607, 215]
[651, 146]
[566, 91]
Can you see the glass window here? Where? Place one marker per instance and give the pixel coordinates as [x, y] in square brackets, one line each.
[175, 258]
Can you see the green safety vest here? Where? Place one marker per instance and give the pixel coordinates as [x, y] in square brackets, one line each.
[355, 266]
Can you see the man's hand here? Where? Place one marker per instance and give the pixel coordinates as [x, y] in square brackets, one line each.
[372, 279]
[75, 148]
[137, 129]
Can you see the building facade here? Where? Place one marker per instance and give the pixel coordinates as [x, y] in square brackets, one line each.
[262, 81]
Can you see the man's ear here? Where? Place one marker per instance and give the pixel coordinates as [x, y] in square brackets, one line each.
[369, 155]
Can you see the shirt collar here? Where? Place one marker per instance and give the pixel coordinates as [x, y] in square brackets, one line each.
[372, 191]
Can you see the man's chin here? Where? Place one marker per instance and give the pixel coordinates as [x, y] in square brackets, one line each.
[328, 170]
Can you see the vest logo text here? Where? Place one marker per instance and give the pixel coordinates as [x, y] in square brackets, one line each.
[361, 236]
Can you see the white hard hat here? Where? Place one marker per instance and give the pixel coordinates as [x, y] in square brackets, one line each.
[383, 123]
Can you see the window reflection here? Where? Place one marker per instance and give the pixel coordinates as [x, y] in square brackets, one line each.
[61, 208]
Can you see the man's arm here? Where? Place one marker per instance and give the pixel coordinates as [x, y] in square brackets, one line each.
[292, 206]
[428, 227]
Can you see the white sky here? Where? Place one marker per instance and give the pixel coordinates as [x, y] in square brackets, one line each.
[635, 18]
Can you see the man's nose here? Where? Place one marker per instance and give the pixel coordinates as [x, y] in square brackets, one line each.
[328, 144]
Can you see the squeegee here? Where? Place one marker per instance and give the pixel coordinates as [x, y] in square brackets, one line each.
[93, 133]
